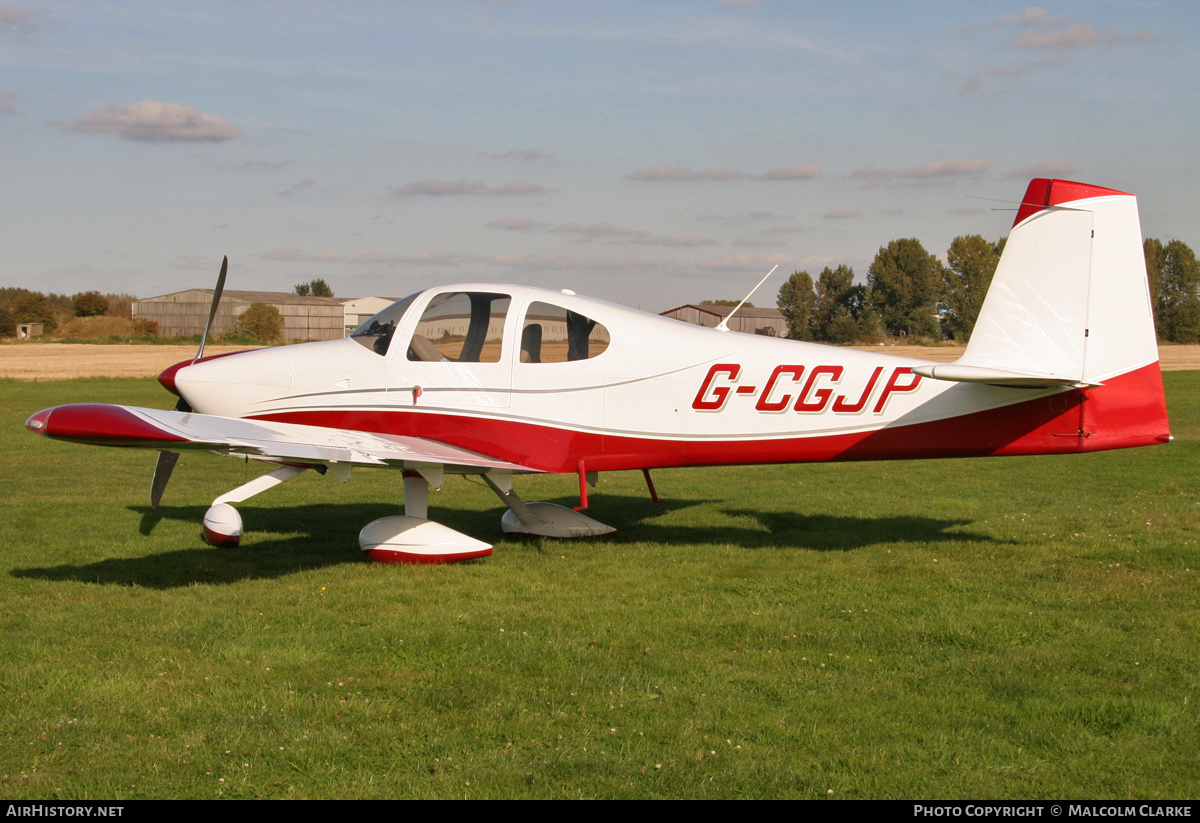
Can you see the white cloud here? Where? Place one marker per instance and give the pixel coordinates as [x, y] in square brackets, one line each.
[1047, 168]
[518, 154]
[517, 187]
[264, 165]
[152, 121]
[594, 230]
[197, 262]
[624, 234]
[744, 262]
[975, 83]
[1032, 16]
[842, 214]
[439, 188]
[517, 224]
[662, 173]
[644, 239]
[1082, 35]
[793, 171]
[930, 174]
[360, 258]
[759, 241]
[296, 188]
[15, 17]
[442, 188]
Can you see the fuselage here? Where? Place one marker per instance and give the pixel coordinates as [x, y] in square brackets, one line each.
[552, 380]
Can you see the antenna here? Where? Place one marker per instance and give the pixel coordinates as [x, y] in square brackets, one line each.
[724, 324]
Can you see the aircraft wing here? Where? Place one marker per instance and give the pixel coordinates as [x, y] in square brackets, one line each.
[106, 425]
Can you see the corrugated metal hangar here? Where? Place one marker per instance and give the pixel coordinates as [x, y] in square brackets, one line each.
[184, 313]
[750, 320]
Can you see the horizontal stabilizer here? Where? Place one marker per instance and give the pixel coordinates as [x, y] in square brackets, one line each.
[957, 373]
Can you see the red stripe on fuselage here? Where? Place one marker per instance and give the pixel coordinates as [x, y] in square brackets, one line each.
[1127, 411]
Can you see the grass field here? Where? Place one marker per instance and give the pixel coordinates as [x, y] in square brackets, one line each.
[1012, 628]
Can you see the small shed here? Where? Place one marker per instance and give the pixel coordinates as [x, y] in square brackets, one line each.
[26, 331]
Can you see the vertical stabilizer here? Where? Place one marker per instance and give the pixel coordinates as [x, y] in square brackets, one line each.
[1070, 299]
[1070, 305]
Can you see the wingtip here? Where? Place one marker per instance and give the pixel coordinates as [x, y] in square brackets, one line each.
[39, 422]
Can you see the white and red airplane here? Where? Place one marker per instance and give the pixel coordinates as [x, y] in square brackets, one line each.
[498, 381]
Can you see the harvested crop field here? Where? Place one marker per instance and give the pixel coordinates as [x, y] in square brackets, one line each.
[1172, 357]
[64, 361]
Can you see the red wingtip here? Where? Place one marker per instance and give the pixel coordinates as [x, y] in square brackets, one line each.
[1043, 193]
[99, 424]
[37, 423]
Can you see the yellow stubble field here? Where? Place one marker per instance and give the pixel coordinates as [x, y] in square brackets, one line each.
[64, 361]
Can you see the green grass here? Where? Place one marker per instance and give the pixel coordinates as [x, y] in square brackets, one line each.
[1021, 627]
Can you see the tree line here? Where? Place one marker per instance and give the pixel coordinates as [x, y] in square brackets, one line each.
[18, 305]
[910, 293]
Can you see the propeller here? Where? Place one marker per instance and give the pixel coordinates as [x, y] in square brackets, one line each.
[212, 312]
[167, 460]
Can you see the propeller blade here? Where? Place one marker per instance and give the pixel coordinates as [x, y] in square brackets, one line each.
[167, 460]
[212, 313]
[162, 474]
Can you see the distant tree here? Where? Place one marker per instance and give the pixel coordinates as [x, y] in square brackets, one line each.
[833, 320]
[905, 282]
[8, 323]
[1175, 280]
[725, 303]
[1155, 253]
[971, 263]
[120, 305]
[89, 304]
[10, 294]
[62, 305]
[797, 302]
[34, 307]
[316, 287]
[261, 321]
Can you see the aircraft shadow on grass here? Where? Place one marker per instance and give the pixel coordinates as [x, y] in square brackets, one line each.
[757, 529]
[328, 538]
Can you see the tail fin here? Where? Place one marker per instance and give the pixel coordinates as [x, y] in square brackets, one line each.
[1069, 305]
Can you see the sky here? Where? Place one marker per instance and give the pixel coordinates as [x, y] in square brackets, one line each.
[649, 153]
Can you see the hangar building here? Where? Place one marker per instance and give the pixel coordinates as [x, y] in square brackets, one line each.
[184, 313]
[750, 320]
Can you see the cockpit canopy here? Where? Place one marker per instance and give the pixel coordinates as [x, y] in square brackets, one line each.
[468, 327]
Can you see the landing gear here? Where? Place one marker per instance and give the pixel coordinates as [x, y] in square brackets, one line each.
[541, 519]
[411, 537]
[222, 523]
